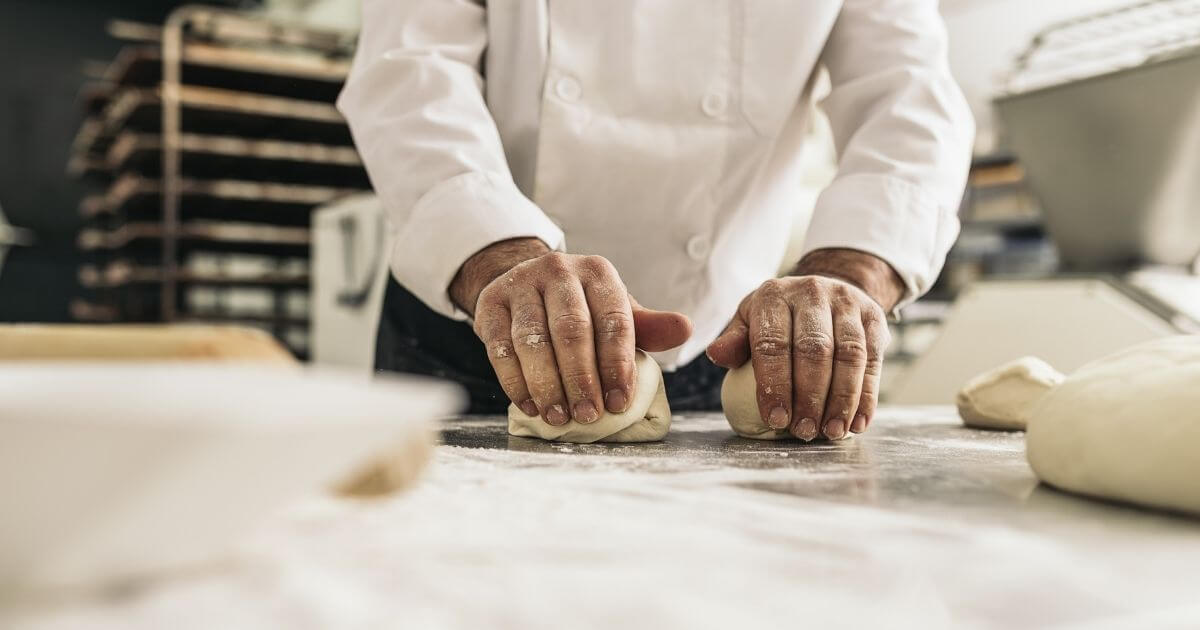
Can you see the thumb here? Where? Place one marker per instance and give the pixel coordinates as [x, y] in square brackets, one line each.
[659, 330]
[732, 348]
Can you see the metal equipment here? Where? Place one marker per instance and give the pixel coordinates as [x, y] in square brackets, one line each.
[214, 137]
[1104, 115]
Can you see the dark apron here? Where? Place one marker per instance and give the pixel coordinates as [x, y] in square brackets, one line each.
[416, 340]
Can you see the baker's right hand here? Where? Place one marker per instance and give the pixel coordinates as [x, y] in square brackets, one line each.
[560, 329]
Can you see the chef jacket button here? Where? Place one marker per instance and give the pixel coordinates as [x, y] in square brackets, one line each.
[568, 89]
[713, 104]
[697, 247]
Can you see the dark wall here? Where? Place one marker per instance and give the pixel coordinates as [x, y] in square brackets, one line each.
[43, 46]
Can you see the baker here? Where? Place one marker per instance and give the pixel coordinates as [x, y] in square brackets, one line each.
[566, 180]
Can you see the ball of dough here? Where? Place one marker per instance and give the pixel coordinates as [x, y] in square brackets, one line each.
[739, 400]
[1125, 427]
[1002, 398]
[647, 419]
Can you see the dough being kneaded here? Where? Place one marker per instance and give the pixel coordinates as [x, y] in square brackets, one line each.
[739, 400]
[647, 419]
[1002, 398]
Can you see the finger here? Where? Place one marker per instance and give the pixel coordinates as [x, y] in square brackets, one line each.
[812, 364]
[770, 322]
[612, 318]
[659, 330]
[535, 352]
[849, 365]
[732, 348]
[876, 331]
[574, 342]
[493, 325]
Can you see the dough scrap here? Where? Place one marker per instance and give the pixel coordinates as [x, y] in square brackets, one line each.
[739, 400]
[1002, 398]
[647, 419]
[1125, 427]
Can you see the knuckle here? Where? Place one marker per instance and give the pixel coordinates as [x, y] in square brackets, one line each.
[814, 346]
[772, 389]
[597, 264]
[809, 288]
[578, 380]
[873, 314]
[616, 368]
[613, 326]
[773, 287]
[556, 263]
[491, 293]
[513, 385]
[571, 328]
[844, 297]
[877, 333]
[531, 331]
[771, 344]
[501, 349]
[852, 351]
[873, 366]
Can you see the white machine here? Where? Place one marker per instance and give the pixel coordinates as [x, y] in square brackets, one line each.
[349, 273]
[1104, 114]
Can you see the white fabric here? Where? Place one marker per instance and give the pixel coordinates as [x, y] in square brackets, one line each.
[662, 134]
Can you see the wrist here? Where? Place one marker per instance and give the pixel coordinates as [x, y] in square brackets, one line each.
[871, 274]
[488, 264]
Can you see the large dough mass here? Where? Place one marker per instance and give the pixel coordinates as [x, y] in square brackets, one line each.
[647, 419]
[1002, 398]
[739, 400]
[1125, 427]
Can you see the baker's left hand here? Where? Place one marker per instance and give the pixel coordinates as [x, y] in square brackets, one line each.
[816, 339]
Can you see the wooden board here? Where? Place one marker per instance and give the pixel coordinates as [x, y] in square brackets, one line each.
[140, 342]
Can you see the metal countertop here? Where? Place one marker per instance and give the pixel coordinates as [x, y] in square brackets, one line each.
[920, 522]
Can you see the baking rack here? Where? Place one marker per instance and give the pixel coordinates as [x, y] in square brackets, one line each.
[210, 140]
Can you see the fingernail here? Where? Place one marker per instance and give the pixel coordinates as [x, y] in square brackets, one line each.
[807, 430]
[778, 418]
[835, 429]
[528, 408]
[585, 412]
[859, 425]
[556, 415]
[615, 401]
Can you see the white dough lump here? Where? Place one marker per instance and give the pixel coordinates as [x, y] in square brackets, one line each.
[739, 400]
[647, 419]
[1125, 427]
[1002, 398]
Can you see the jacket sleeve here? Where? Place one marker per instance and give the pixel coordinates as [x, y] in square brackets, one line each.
[904, 135]
[414, 101]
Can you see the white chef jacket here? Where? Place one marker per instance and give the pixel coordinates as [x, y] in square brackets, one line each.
[664, 135]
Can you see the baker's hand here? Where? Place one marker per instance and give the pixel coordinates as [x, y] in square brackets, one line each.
[560, 329]
[816, 340]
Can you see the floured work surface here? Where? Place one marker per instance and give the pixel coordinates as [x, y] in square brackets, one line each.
[920, 522]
